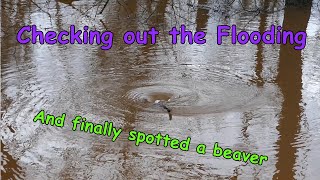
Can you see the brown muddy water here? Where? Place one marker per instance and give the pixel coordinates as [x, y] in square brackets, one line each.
[263, 99]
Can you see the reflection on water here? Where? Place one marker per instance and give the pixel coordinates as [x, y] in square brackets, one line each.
[256, 98]
[9, 166]
[290, 82]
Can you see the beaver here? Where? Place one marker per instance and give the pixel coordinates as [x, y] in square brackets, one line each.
[161, 104]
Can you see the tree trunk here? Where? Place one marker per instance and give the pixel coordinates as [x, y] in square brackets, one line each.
[299, 3]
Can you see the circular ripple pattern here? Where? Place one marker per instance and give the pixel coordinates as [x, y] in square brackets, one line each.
[192, 99]
[144, 97]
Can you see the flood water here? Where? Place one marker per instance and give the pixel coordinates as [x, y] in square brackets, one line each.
[263, 99]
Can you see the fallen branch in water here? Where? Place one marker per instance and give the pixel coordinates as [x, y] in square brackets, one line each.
[105, 5]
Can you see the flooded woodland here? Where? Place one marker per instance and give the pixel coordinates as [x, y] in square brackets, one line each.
[258, 98]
